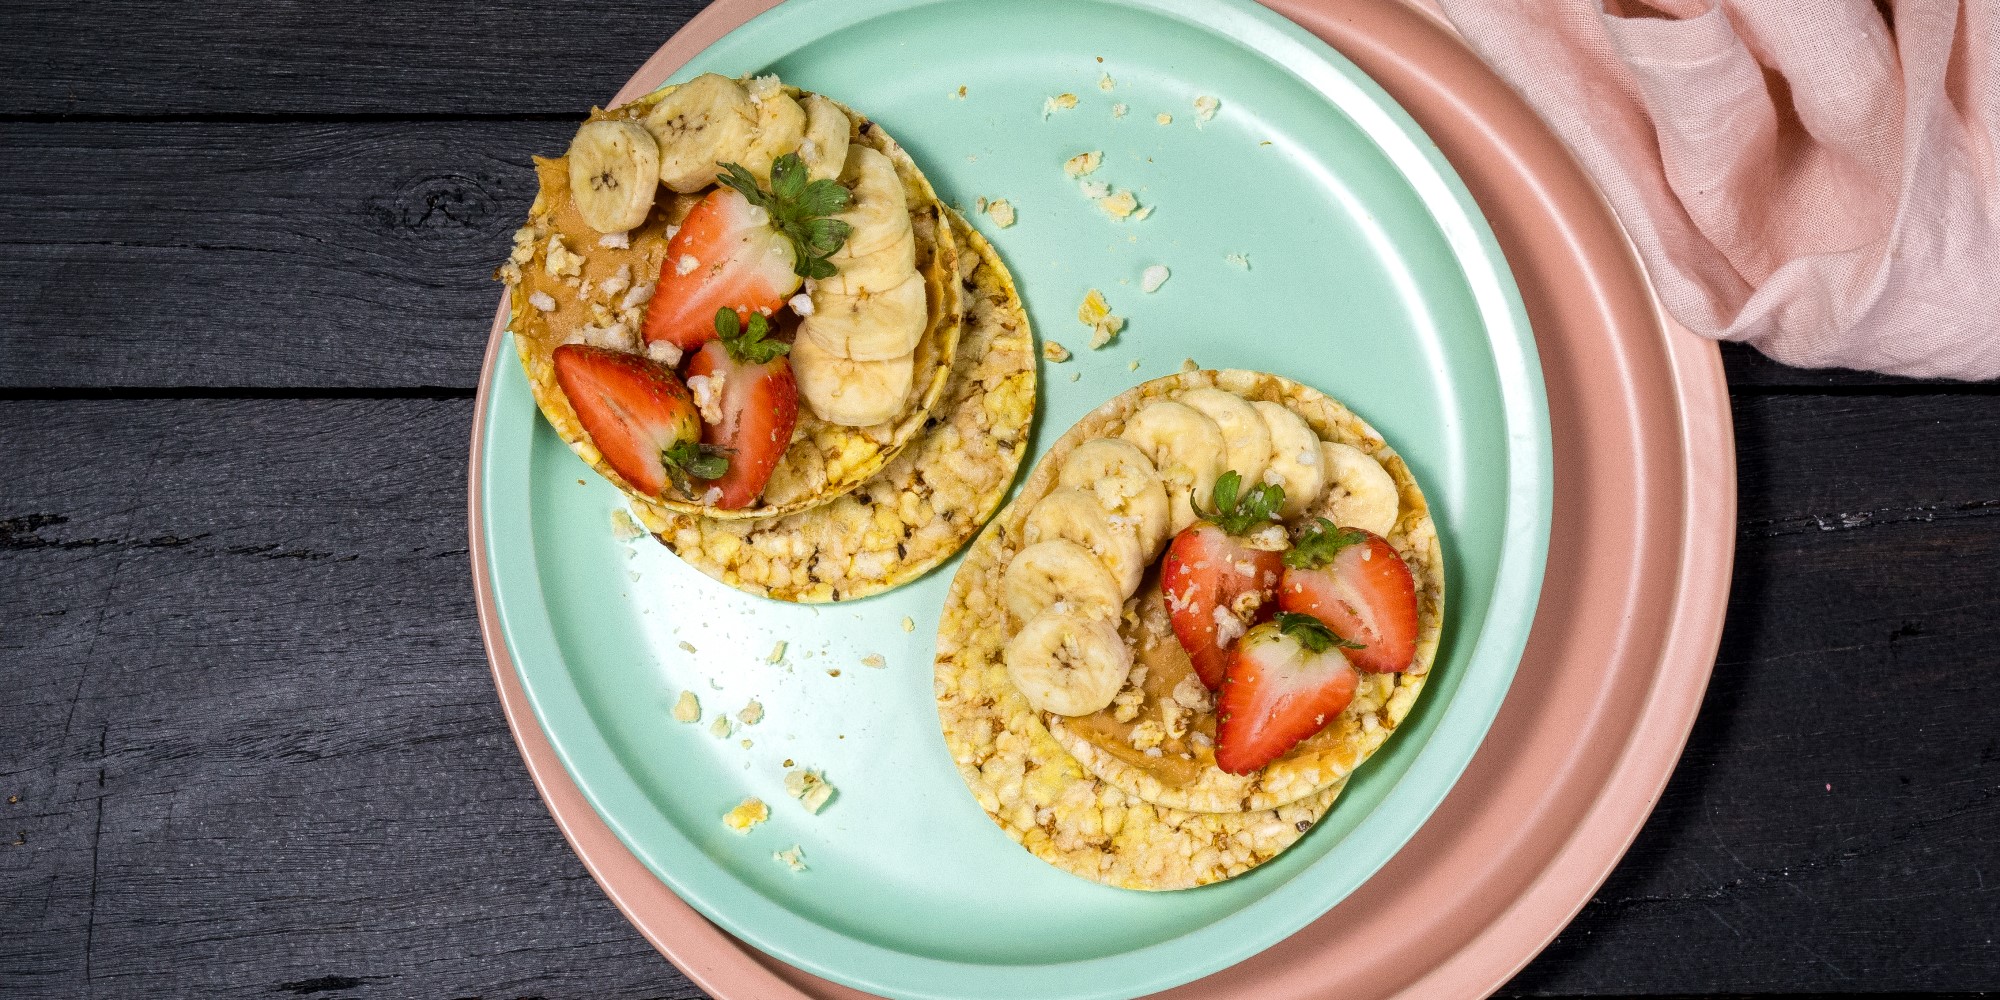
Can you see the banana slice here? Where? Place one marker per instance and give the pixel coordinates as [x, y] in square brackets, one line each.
[1076, 515]
[1126, 484]
[824, 148]
[1057, 570]
[850, 393]
[1296, 463]
[879, 211]
[1187, 448]
[871, 272]
[614, 168]
[1068, 664]
[707, 121]
[1360, 492]
[1249, 440]
[871, 326]
[781, 127]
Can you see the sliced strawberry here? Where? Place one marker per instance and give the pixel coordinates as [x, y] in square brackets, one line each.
[758, 406]
[747, 249]
[1285, 683]
[1356, 583]
[637, 413]
[1217, 584]
[726, 255]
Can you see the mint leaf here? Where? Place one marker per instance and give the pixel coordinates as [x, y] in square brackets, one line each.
[1238, 513]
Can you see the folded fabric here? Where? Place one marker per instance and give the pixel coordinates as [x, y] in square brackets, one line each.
[1814, 177]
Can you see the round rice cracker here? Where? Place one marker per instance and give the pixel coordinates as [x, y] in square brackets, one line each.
[825, 460]
[920, 509]
[1043, 799]
[1183, 775]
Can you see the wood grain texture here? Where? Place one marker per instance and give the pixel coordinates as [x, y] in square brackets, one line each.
[258, 752]
[328, 57]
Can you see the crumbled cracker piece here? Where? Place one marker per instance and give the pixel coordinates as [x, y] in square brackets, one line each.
[1105, 82]
[1148, 735]
[1119, 110]
[746, 744]
[1001, 212]
[542, 301]
[874, 660]
[559, 261]
[1238, 259]
[1154, 277]
[1060, 102]
[777, 653]
[959, 94]
[687, 708]
[687, 645]
[1140, 216]
[810, 787]
[1054, 352]
[1096, 314]
[752, 713]
[748, 813]
[1164, 118]
[1093, 189]
[794, 857]
[1188, 365]
[1120, 205]
[1083, 163]
[1073, 376]
[721, 727]
[1205, 108]
[623, 527]
[909, 624]
[1134, 366]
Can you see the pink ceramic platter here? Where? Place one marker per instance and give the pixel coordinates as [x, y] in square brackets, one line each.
[1638, 576]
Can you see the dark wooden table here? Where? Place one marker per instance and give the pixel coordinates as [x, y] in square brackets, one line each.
[248, 743]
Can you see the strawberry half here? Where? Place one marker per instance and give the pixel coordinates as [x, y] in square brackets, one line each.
[1216, 583]
[1285, 683]
[759, 405]
[638, 414]
[745, 249]
[1354, 581]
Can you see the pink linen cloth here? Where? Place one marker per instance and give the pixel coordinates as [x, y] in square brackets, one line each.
[1809, 176]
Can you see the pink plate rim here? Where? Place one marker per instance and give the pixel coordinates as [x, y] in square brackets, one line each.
[1613, 676]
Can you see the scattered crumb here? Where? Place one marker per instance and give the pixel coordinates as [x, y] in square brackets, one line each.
[1119, 110]
[833, 671]
[909, 624]
[1083, 163]
[687, 645]
[810, 788]
[1054, 352]
[874, 660]
[1188, 365]
[1001, 211]
[542, 301]
[1120, 205]
[1265, 143]
[750, 812]
[1238, 259]
[1205, 108]
[1094, 189]
[1073, 376]
[1105, 83]
[1134, 366]
[752, 713]
[1060, 102]
[793, 858]
[632, 575]
[1140, 216]
[1164, 118]
[687, 708]
[1154, 277]
[980, 205]
[788, 762]
[1096, 314]
[777, 653]
[959, 94]
[721, 727]
[747, 744]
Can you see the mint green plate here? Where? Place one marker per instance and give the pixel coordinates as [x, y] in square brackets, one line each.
[1370, 275]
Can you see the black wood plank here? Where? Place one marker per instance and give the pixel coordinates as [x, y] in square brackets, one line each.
[303, 255]
[257, 751]
[421, 58]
